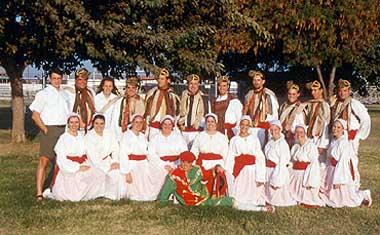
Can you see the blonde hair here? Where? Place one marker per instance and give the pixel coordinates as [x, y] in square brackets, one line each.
[254, 73]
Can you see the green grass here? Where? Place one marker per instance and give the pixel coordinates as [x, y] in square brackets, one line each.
[21, 214]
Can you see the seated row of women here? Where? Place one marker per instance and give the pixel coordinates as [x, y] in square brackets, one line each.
[96, 165]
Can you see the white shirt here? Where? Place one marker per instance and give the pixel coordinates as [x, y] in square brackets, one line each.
[364, 125]
[131, 144]
[102, 150]
[216, 143]
[101, 101]
[52, 104]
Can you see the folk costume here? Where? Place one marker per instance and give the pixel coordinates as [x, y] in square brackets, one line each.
[277, 155]
[192, 110]
[134, 161]
[188, 187]
[103, 151]
[246, 162]
[340, 170]
[105, 106]
[158, 103]
[228, 109]
[358, 122]
[304, 173]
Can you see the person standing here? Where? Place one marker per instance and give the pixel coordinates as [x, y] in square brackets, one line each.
[127, 106]
[106, 98]
[50, 109]
[356, 115]
[194, 105]
[160, 101]
[226, 107]
[261, 105]
[82, 99]
[317, 119]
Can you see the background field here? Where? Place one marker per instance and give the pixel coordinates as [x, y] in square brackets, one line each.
[21, 214]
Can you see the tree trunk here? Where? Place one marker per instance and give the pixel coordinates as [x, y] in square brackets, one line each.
[331, 81]
[320, 77]
[18, 109]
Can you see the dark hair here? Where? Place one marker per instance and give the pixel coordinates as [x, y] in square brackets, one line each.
[114, 89]
[97, 116]
[55, 70]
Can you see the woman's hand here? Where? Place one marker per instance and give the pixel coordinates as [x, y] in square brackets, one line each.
[168, 168]
[84, 168]
[115, 166]
[274, 187]
[128, 178]
[219, 169]
[259, 184]
[337, 186]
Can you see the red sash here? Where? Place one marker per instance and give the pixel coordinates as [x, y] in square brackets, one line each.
[183, 188]
[136, 157]
[191, 129]
[242, 161]
[207, 156]
[352, 134]
[171, 158]
[269, 163]
[77, 159]
[228, 127]
[155, 125]
[334, 162]
[298, 165]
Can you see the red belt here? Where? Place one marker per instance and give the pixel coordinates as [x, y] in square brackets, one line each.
[136, 157]
[171, 158]
[80, 160]
[264, 125]
[155, 125]
[335, 162]
[270, 164]
[228, 127]
[352, 134]
[207, 156]
[298, 165]
[241, 161]
[191, 129]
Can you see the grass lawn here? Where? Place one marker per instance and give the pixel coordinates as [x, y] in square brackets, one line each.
[21, 214]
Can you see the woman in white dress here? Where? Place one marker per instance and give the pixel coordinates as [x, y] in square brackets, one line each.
[106, 98]
[76, 179]
[246, 162]
[305, 174]
[277, 155]
[139, 176]
[103, 152]
[164, 150]
[338, 188]
[211, 149]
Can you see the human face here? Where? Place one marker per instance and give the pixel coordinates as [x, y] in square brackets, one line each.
[293, 95]
[193, 87]
[167, 127]
[223, 88]
[344, 93]
[163, 82]
[131, 90]
[316, 93]
[258, 82]
[210, 124]
[81, 82]
[73, 124]
[337, 129]
[55, 80]
[275, 131]
[137, 124]
[99, 126]
[300, 134]
[244, 127]
[107, 88]
[186, 165]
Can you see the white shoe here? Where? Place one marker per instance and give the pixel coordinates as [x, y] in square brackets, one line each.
[368, 192]
[47, 193]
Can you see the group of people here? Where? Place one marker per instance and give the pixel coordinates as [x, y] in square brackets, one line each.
[197, 150]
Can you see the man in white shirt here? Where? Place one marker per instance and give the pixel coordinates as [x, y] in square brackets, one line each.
[50, 109]
[227, 107]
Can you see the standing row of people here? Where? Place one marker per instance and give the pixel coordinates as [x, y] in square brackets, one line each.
[187, 116]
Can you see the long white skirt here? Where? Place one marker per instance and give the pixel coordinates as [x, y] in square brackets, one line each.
[278, 197]
[114, 185]
[301, 194]
[346, 195]
[143, 186]
[79, 186]
[245, 190]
